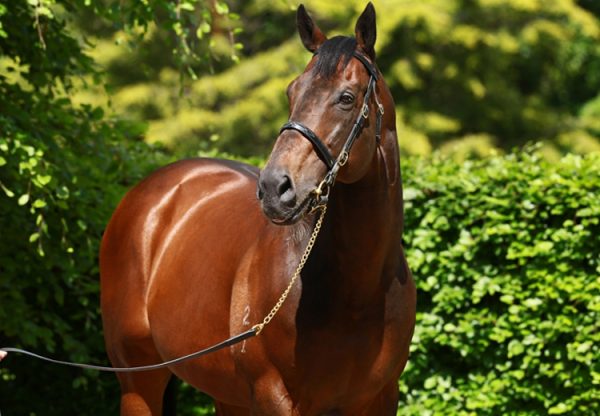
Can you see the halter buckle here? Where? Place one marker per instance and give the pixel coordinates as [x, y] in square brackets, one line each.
[343, 158]
[320, 201]
[321, 192]
[365, 111]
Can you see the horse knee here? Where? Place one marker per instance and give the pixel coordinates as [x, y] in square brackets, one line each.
[142, 393]
[134, 404]
[271, 398]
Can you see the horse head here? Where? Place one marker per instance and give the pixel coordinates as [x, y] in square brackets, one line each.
[334, 123]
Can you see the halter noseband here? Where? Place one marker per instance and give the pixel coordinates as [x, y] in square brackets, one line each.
[321, 192]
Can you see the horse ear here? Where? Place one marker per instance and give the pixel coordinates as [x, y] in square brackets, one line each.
[311, 35]
[366, 30]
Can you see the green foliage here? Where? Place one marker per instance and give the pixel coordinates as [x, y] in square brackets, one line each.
[184, 27]
[505, 254]
[63, 172]
[63, 169]
[514, 71]
[239, 111]
[468, 77]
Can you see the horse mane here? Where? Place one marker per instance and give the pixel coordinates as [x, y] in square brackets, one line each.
[331, 52]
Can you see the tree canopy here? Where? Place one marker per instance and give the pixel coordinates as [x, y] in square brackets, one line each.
[468, 76]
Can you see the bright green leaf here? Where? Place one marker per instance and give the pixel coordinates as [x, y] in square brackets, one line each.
[23, 199]
[39, 203]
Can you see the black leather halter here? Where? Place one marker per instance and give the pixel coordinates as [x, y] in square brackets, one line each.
[334, 164]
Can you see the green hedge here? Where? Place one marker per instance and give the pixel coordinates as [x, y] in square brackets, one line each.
[56, 196]
[505, 252]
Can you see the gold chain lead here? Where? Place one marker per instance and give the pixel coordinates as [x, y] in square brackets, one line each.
[311, 242]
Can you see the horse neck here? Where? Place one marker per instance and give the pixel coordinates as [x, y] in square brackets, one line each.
[364, 228]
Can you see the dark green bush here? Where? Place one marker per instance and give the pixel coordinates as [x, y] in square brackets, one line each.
[62, 172]
[506, 255]
[63, 169]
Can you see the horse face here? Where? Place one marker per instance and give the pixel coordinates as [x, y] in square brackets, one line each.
[327, 98]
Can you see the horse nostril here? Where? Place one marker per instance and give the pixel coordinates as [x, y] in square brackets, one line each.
[284, 185]
[286, 191]
[260, 193]
[276, 188]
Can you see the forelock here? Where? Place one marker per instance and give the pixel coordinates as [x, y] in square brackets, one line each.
[331, 52]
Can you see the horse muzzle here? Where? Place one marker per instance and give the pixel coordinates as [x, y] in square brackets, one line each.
[279, 198]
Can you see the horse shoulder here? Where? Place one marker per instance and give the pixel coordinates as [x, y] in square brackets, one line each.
[158, 211]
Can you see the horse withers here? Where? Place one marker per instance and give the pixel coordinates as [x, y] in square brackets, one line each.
[192, 257]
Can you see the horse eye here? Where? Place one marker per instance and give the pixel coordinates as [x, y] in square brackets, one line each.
[346, 98]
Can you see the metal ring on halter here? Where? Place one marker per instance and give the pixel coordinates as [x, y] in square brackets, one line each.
[365, 111]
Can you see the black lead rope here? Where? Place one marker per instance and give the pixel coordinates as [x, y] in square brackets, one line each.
[227, 343]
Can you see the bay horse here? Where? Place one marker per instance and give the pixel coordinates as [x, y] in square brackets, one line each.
[202, 249]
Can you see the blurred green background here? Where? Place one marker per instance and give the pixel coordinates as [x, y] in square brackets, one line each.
[469, 77]
[94, 94]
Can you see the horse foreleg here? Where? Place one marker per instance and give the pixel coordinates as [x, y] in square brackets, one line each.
[142, 393]
[271, 398]
[384, 404]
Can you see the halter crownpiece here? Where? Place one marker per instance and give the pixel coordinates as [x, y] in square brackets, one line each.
[321, 192]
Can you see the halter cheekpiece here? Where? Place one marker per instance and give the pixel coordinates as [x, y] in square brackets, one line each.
[321, 192]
